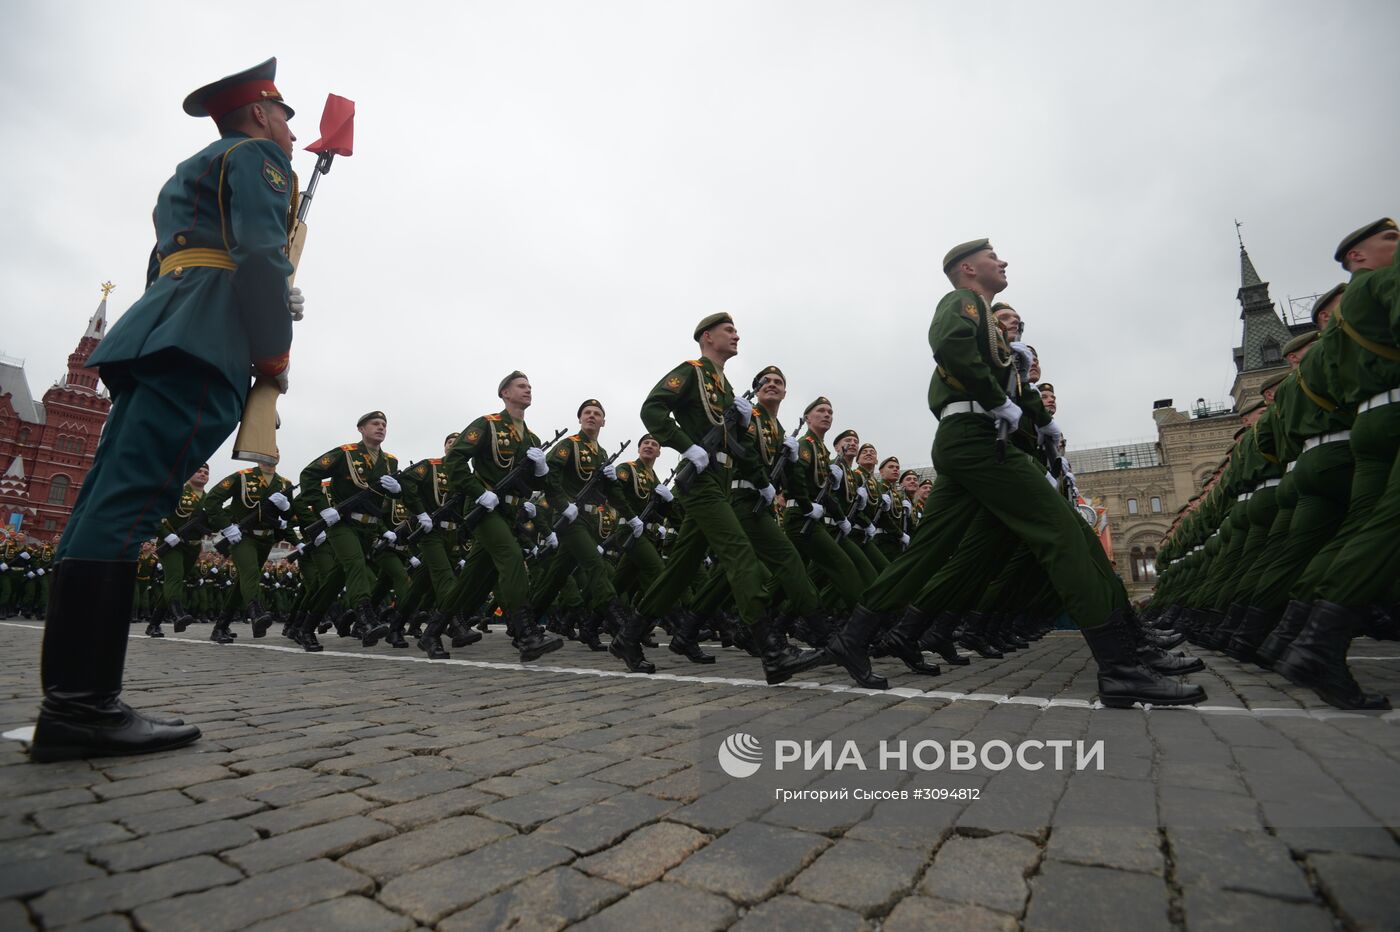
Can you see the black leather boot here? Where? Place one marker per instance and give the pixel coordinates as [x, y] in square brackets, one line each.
[904, 638]
[588, 629]
[974, 636]
[220, 633]
[180, 619]
[848, 647]
[306, 634]
[1255, 626]
[1295, 615]
[462, 635]
[627, 645]
[395, 636]
[259, 618]
[1203, 623]
[1123, 678]
[430, 642]
[368, 627]
[1220, 638]
[938, 638]
[1007, 632]
[1317, 659]
[84, 650]
[782, 661]
[812, 630]
[153, 629]
[683, 640]
[533, 641]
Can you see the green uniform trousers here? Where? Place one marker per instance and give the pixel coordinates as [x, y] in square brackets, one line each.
[495, 563]
[248, 555]
[1322, 477]
[1367, 563]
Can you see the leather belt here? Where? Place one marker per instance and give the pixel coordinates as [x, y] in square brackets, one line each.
[1388, 397]
[261, 533]
[509, 499]
[743, 484]
[198, 258]
[1268, 484]
[1336, 436]
[1289, 467]
[362, 519]
[1244, 496]
[961, 407]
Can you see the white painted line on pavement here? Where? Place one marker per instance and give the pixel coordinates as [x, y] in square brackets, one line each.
[904, 691]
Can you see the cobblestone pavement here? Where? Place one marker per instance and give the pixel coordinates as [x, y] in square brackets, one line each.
[370, 789]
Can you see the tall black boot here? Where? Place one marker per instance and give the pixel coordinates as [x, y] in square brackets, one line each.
[462, 634]
[84, 650]
[395, 636]
[903, 641]
[974, 636]
[368, 626]
[588, 628]
[782, 661]
[683, 640]
[220, 633]
[938, 638]
[1220, 638]
[431, 640]
[306, 634]
[1254, 627]
[1317, 659]
[627, 645]
[1123, 678]
[532, 640]
[1295, 615]
[849, 647]
[259, 618]
[179, 618]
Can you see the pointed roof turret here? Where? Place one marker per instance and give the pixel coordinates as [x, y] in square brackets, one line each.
[97, 323]
[1265, 333]
[16, 469]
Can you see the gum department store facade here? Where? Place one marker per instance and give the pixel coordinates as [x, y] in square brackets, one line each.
[1142, 485]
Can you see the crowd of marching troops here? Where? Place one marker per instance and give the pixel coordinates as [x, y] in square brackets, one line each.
[25, 568]
[1290, 551]
[764, 534]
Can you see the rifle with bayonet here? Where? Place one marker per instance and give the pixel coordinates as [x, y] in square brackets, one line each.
[196, 527]
[775, 473]
[588, 487]
[710, 443]
[254, 519]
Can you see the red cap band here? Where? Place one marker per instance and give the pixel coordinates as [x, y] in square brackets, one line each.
[230, 99]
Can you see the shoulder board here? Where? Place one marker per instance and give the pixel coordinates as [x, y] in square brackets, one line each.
[244, 472]
[492, 417]
[348, 446]
[389, 455]
[694, 362]
[436, 462]
[576, 438]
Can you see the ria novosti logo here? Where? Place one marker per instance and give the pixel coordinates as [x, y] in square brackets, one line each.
[740, 755]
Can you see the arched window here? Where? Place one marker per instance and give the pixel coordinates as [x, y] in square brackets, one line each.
[1144, 564]
[1150, 564]
[58, 490]
[1132, 506]
[1135, 558]
[1156, 505]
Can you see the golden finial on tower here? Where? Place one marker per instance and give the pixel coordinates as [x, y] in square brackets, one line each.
[107, 288]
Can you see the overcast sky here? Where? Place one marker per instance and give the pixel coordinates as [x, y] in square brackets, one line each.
[566, 187]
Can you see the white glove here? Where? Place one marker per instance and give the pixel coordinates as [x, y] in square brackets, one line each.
[790, 447]
[1024, 354]
[414, 563]
[664, 493]
[870, 532]
[637, 526]
[908, 507]
[904, 540]
[838, 476]
[1049, 432]
[40, 571]
[461, 564]
[661, 531]
[390, 536]
[601, 551]
[570, 513]
[768, 493]
[281, 524]
[296, 304]
[29, 575]
[610, 471]
[213, 571]
[232, 534]
[697, 456]
[390, 485]
[845, 527]
[488, 500]
[1054, 483]
[816, 513]
[536, 456]
[530, 509]
[1008, 412]
[172, 539]
[280, 500]
[24, 556]
[863, 495]
[886, 503]
[320, 539]
[4, 567]
[744, 407]
[330, 516]
[160, 566]
[552, 541]
[425, 521]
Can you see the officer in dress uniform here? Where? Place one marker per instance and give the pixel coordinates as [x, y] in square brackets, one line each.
[217, 309]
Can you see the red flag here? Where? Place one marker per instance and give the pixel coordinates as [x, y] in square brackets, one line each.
[337, 127]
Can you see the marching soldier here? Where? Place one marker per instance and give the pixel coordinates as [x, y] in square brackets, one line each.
[180, 562]
[236, 509]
